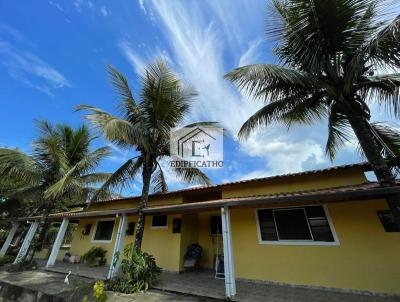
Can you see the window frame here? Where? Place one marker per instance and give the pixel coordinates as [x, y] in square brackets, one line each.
[159, 227]
[95, 230]
[335, 241]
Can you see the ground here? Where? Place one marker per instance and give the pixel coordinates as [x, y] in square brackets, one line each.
[44, 286]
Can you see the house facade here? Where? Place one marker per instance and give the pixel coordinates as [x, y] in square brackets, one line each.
[324, 228]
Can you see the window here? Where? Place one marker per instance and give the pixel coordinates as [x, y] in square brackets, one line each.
[86, 229]
[104, 231]
[130, 229]
[159, 221]
[387, 220]
[295, 225]
[176, 225]
[215, 225]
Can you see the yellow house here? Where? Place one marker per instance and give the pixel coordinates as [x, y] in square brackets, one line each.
[324, 228]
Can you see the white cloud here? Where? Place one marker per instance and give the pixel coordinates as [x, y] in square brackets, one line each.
[57, 5]
[104, 11]
[141, 4]
[138, 62]
[30, 69]
[252, 54]
[284, 153]
[205, 43]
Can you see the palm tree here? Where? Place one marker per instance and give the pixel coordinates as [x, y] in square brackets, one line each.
[60, 171]
[336, 57]
[144, 128]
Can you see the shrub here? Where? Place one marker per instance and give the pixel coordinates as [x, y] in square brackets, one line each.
[95, 256]
[139, 272]
[6, 259]
[98, 291]
[23, 266]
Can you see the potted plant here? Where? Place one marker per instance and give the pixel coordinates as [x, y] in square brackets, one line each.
[95, 256]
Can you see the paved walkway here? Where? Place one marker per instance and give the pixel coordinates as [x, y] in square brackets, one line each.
[78, 269]
[32, 286]
[204, 284]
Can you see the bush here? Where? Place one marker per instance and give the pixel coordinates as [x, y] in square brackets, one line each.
[139, 272]
[98, 291]
[6, 259]
[95, 256]
[23, 266]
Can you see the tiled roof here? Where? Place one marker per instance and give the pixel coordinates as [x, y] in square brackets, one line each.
[369, 190]
[363, 165]
[345, 193]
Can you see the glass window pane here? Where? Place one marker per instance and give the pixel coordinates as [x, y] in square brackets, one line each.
[159, 221]
[292, 224]
[319, 223]
[267, 225]
[104, 230]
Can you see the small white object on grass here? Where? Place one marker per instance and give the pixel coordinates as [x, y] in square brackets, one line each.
[66, 280]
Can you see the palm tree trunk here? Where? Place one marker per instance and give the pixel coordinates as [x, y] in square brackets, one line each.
[379, 165]
[146, 176]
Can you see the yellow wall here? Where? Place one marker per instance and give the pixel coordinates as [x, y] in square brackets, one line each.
[212, 245]
[163, 244]
[366, 259]
[160, 242]
[189, 235]
[296, 183]
[82, 243]
[125, 204]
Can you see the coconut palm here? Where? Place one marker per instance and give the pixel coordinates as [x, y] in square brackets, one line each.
[143, 128]
[336, 57]
[59, 171]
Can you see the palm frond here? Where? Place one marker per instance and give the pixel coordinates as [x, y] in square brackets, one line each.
[16, 166]
[128, 106]
[383, 89]
[339, 131]
[94, 178]
[121, 177]
[312, 33]
[309, 110]
[388, 139]
[271, 113]
[384, 46]
[158, 180]
[192, 176]
[165, 100]
[269, 82]
[119, 131]
[70, 181]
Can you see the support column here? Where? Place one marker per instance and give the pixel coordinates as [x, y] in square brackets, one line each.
[57, 243]
[9, 238]
[119, 241]
[229, 270]
[27, 242]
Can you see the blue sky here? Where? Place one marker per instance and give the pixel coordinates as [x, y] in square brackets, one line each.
[53, 56]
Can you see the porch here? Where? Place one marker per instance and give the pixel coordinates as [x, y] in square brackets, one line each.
[77, 269]
[203, 284]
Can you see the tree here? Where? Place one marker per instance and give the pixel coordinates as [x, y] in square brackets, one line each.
[336, 57]
[58, 172]
[144, 129]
